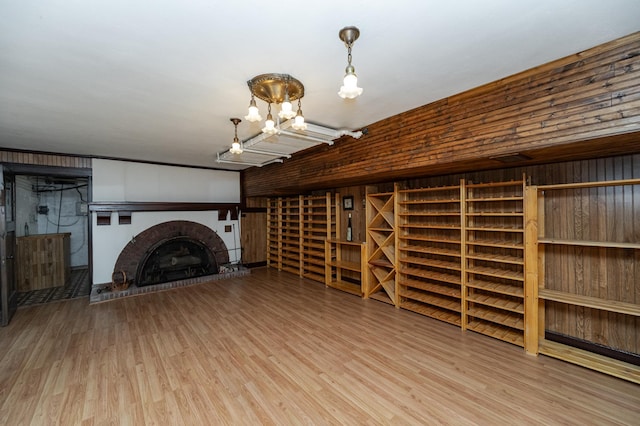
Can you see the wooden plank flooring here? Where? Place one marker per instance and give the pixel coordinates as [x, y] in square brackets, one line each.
[272, 348]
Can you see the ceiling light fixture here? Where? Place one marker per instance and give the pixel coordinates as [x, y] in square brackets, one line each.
[349, 89]
[236, 146]
[279, 89]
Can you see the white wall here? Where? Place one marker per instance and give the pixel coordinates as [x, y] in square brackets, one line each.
[127, 181]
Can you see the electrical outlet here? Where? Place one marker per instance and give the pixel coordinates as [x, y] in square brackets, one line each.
[43, 209]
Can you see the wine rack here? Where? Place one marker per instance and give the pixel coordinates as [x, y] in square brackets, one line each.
[290, 234]
[273, 232]
[429, 260]
[381, 248]
[318, 223]
[494, 260]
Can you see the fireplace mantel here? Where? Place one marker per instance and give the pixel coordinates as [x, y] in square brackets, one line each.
[125, 208]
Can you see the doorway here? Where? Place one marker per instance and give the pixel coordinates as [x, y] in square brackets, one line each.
[52, 238]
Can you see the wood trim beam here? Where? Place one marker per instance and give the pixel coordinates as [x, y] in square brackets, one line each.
[135, 206]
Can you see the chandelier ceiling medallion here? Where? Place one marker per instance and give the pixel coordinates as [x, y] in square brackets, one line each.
[279, 89]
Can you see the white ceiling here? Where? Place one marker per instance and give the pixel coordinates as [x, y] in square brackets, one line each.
[158, 80]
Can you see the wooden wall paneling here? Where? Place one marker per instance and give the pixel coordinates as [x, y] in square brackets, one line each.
[43, 159]
[358, 222]
[591, 96]
[253, 237]
[254, 231]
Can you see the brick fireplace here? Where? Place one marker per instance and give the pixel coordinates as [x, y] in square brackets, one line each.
[146, 243]
[142, 245]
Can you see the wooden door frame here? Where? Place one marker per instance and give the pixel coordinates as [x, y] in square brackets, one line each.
[8, 285]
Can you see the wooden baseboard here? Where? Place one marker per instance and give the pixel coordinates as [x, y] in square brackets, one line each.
[613, 367]
[585, 345]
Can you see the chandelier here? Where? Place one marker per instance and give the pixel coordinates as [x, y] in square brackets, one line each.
[349, 89]
[279, 89]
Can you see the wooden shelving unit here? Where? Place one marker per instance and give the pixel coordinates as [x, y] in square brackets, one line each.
[607, 259]
[429, 251]
[273, 232]
[337, 269]
[494, 274]
[290, 234]
[318, 223]
[381, 248]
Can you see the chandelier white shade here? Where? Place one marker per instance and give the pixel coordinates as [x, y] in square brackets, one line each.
[286, 109]
[253, 115]
[349, 88]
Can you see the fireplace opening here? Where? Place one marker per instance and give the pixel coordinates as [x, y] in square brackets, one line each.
[176, 259]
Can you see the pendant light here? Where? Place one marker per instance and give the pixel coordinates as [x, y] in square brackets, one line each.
[236, 146]
[349, 89]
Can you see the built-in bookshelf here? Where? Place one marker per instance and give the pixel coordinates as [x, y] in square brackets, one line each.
[585, 268]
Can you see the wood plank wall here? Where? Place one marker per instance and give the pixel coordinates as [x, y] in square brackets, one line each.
[568, 109]
[253, 235]
[602, 214]
[44, 159]
[595, 214]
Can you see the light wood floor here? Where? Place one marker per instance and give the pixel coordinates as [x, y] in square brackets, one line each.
[272, 348]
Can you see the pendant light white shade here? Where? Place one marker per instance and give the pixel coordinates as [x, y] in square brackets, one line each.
[235, 148]
[253, 115]
[349, 88]
[286, 110]
[298, 123]
[269, 126]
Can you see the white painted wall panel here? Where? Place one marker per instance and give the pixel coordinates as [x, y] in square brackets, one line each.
[128, 181]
